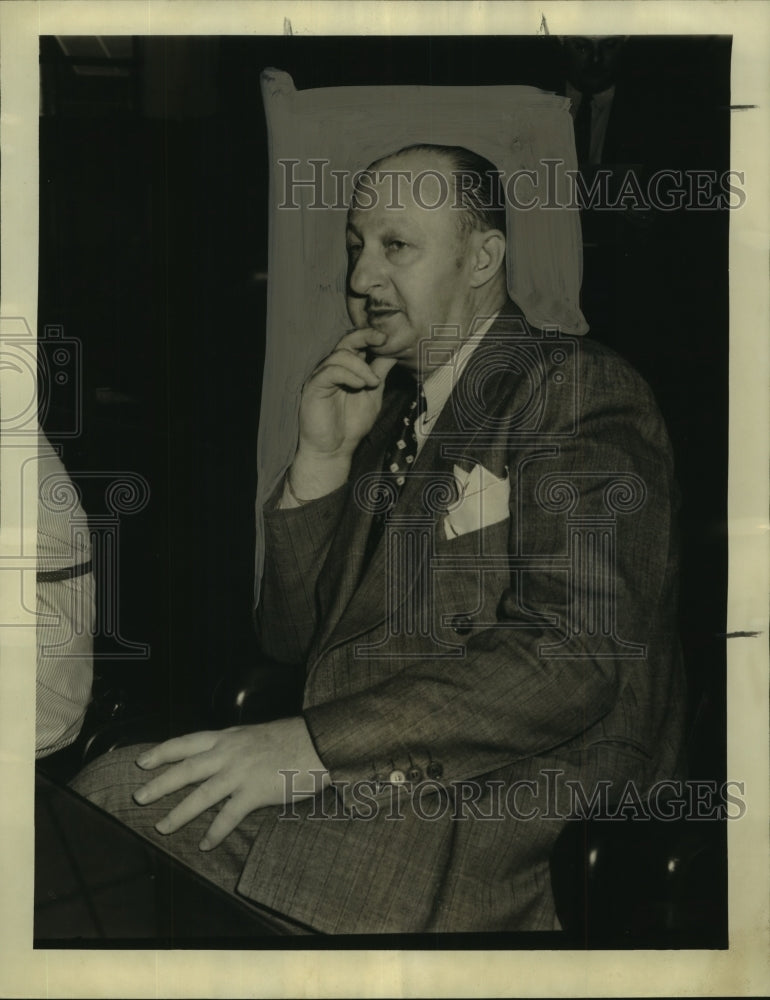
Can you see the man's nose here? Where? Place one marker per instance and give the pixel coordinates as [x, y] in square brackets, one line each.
[366, 273]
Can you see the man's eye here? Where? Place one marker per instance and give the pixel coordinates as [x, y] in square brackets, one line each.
[396, 245]
[354, 248]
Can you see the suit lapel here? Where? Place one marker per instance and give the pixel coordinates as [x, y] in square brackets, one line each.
[352, 603]
[367, 603]
[342, 569]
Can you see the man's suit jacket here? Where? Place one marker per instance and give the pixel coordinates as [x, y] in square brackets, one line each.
[455, 687]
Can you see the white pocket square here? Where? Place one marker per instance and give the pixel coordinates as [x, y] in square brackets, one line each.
[483, 501]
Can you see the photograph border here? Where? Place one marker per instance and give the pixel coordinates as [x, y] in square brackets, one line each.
[741, 970]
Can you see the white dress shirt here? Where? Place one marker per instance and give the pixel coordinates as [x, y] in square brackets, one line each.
[439, 384]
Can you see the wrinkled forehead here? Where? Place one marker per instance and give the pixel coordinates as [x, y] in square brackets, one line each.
[415, 190]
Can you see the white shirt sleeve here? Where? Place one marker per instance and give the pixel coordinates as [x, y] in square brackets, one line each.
[65, 608]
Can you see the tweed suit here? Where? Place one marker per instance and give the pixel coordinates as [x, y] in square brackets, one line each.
[465, 670]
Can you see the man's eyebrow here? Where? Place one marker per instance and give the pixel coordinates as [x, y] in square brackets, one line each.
[388, 229]
[401, 231]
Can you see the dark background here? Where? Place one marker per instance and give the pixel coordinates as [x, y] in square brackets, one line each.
[153, 254]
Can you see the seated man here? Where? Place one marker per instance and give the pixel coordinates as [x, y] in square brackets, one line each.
[473, 555]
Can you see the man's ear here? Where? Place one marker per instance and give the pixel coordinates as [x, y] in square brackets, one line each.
[488, 256]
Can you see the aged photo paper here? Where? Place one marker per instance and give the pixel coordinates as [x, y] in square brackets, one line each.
[175, 499]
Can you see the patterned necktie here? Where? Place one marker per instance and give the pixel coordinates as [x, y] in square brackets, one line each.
[404, 450]
[399, 458]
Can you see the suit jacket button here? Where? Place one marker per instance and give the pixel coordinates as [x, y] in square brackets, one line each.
[397, 777]
[434, 769]
[462, 624]
[414, 774]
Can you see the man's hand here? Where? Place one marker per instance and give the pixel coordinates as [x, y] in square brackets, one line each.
[340, 402]
[239, 766]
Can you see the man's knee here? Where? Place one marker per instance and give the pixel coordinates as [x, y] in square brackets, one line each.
[110, 780]
[110, 783]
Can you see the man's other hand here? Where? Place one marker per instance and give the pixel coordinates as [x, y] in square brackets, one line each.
[340, 402]
[240, 767]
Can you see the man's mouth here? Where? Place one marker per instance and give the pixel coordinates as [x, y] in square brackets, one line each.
[375, 313]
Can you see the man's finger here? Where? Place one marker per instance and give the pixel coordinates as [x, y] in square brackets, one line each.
[187, 772]
[354, 363]
[381, 366]
[198, 801]
[177, 749]
[337, 377]
[359, 340]
[333, 377]
[228, 817]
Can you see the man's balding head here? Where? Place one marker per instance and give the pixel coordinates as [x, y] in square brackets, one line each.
[475, 191]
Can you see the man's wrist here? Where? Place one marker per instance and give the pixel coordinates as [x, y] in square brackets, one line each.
[299, 501]
[311, 477]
